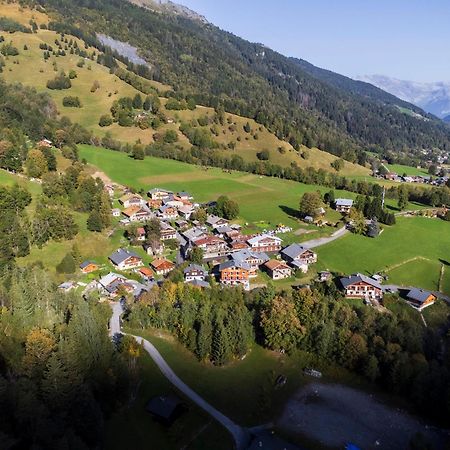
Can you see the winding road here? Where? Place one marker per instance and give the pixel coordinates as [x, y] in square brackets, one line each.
[241, 436]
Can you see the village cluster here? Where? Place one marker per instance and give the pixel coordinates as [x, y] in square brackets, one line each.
[229, 256]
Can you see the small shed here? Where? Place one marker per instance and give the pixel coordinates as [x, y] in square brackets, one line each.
[166, 408]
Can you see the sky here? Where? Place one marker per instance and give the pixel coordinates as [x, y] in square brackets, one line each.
[405, 39]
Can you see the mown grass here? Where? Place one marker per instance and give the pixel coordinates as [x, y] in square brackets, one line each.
[260, 198]
[410, 238]
[401, 169]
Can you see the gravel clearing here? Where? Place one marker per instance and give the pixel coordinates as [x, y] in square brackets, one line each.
[335, 415]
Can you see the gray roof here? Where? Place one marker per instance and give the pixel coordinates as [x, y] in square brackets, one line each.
[199, 283]
[356, 278]
[119, 256]
[194, 267]
[85, 264]
[343, 202]
[293, 251]
[155, 190]
[231, 263]
[244, 254]
[418, 295]
[164, 406]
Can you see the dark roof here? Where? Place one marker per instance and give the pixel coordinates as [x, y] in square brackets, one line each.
[194, 267]
[419, 295]
[231, 263]
[84, 264]
[119, 256]
[358, 278]
[199, 283]
[164, 406]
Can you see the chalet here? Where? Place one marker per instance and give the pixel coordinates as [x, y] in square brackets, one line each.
[212, 246]
[67, 286]
[140, 234]
[137, 213]
[253, 259]
[265, 243]
[299, 257]
[172, 200]
[343, 205]
[167, 212]
[146, 273]
[186, 211]
[45, 143]
[238, 245]
[125, 259]
[110, 190]
[194, 233]
[162, 266]
[166, 408]
[360, 286]
[223, 231]
[277, 270]
[167, 232]
[194, 272]
[235, 274]
[158, 193]
[216, 221]
[324, 276]
[128, 200]
[113, 283]
[420, 299]
[184, 196]
[154, 204]
[88, 267]
[182, 224]
[116, 212]
[154, 248]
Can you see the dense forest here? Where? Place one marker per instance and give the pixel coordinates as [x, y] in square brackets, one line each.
[218, 68]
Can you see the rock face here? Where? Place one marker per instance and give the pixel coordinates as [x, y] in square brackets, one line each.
[167, 6]
[432, 97]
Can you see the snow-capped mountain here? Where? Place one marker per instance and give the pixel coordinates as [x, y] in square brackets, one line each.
[432, 97]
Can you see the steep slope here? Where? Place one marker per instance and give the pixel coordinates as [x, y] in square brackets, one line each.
[432, 97]
[230, 136]
[215, 67]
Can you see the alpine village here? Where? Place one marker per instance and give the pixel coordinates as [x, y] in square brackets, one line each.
[206, 245]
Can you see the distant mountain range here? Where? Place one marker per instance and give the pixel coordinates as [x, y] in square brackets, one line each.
[432, 97]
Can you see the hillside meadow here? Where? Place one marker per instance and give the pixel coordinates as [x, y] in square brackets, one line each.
[30, 68]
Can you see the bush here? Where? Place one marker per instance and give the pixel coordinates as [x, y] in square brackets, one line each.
[67, 265]
[60, 82]
[105, 121]
[71, 102]
[72, 74]
[263, 155]
[8, 50]
[170, 137]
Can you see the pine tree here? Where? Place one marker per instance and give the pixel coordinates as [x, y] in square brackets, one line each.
[94, 222]
[220, 344]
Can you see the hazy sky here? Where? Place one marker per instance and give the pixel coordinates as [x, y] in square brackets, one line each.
[407, 39]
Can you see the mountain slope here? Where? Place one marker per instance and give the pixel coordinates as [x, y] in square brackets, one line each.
[216, 67]
[432, 97]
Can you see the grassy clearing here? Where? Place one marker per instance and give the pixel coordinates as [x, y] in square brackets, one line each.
[135, 429]
[260, 198]
[410, 238]
[401, 169]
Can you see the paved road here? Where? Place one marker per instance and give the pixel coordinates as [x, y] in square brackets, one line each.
[240, 435]
[325, 240]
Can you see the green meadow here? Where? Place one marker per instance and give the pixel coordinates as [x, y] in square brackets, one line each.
[401, 169]
[260, 198]
[411, 253]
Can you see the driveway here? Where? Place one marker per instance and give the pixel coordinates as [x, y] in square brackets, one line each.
[313, 243]
[240, 435]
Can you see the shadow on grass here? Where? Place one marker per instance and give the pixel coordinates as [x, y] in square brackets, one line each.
[444, 262]
[290, 211]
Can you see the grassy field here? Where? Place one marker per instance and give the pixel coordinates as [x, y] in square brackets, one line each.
[30, 62]
[411, 238]
[260, 198]
[400, 169]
